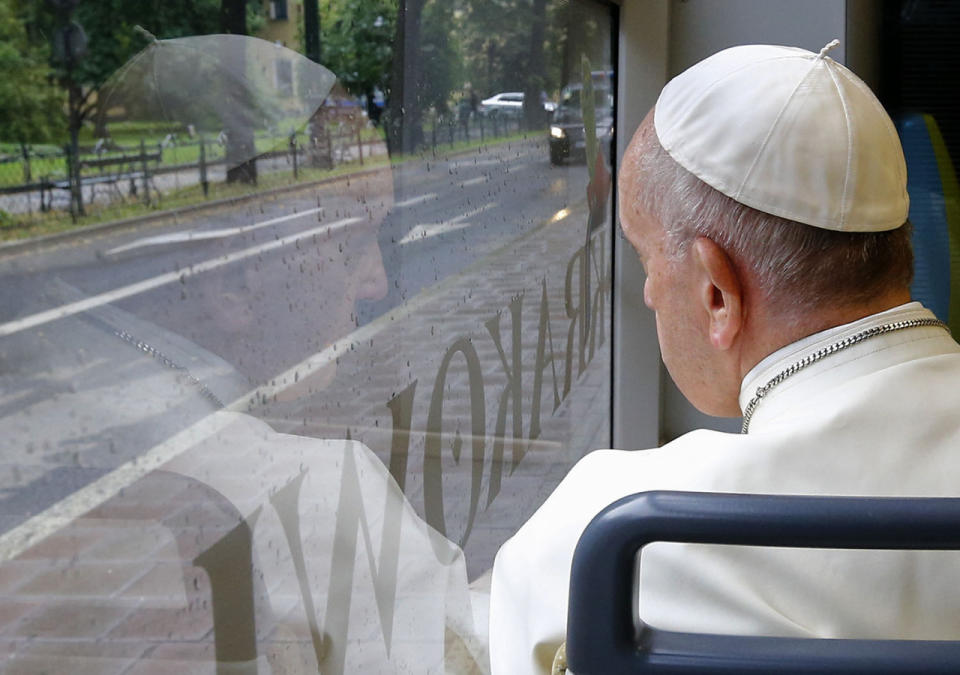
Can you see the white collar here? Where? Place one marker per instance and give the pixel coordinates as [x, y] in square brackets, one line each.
[784, 357]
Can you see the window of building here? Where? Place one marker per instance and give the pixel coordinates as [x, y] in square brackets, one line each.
[278, 10]
[284, 77]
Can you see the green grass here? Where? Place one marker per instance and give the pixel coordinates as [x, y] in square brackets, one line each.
[11, 173]
[129, 137]
[24, 226]
[132, 129]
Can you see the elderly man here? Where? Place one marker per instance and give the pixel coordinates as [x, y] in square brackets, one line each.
[766, 198]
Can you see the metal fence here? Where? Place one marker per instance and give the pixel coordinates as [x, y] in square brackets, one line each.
[47, 178]
[451, 128]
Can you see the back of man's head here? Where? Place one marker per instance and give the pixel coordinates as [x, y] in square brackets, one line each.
[796, 267]
[786, 160]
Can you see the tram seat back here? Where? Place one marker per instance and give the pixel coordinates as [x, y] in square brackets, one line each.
[605, 635]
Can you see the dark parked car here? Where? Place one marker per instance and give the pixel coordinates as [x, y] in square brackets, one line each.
[567, 136]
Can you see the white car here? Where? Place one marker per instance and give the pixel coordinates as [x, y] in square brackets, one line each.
[506, 104]
[509, 104]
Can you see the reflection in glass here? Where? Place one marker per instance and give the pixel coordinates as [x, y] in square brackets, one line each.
[286, 427]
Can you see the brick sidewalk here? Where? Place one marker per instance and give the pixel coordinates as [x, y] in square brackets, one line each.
[153, 579]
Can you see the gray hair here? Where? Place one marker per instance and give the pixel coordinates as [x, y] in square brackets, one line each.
[793, 264]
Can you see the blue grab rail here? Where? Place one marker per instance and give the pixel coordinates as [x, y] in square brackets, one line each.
[605, 635]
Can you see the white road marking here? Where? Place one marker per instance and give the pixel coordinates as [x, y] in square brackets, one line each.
[16, 541]
[426, 230]
[504, 160]
[199, 235]
[72, 308]
[413, 201]
[475, 181]
[174, 238]
[472, 213]
[476, 162]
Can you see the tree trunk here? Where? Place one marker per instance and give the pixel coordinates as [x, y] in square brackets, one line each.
[311, 30]
[240, 151]
[73, 149]
[404, 126]
[571, 52]
[533, 113]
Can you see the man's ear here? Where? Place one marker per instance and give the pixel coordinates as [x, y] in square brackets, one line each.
[719, 292]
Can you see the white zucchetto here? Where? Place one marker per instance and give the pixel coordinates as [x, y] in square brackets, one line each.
[787, 132]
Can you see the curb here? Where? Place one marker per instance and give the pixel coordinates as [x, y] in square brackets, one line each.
[44, 241]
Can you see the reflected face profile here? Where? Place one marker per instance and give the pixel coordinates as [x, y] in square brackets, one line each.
[270, 312]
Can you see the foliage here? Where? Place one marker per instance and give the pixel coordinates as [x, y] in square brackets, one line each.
[579, 32]
[112, 40]
[496, 43]
[486, 44]
[356, 42]
[455, 46]
[256, 16]
[442, 54]
[31, 107]
[357, 39]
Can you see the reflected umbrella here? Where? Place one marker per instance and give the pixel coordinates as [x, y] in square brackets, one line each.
[250, 92]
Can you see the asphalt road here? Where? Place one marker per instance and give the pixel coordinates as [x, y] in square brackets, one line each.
[225, 302]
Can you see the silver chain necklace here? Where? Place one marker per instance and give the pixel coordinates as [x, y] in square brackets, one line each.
[167, 362]
[824, 352]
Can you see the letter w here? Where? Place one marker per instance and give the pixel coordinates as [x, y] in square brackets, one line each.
[331, 646]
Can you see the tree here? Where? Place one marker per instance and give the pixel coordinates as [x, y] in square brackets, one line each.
[112, 40]
[31, 106]
[533, 113]
[495, 44]
[240, 151]
[527, 45]
[356, 37]
[418, 68]
[404, 124]
[581, 33]
[441, 54]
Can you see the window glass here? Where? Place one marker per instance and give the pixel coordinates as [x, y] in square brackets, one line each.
[300, 322]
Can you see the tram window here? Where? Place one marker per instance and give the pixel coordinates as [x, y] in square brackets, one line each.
[291, 338]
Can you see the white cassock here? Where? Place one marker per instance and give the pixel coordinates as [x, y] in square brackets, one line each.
[389, 593]
[879, 418]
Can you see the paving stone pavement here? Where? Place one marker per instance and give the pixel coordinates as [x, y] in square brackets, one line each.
[162, 575]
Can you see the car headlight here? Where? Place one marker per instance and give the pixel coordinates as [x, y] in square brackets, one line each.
[557, 132]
